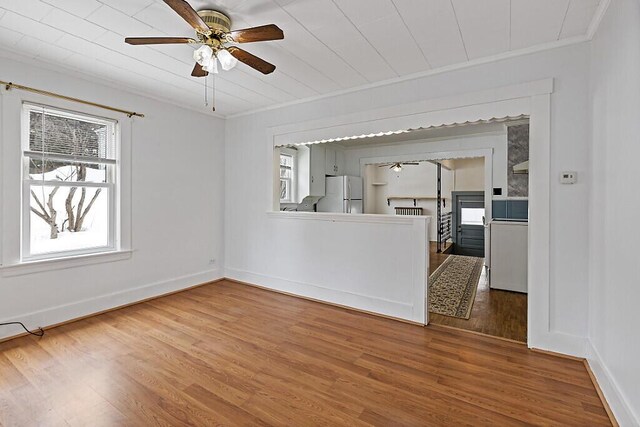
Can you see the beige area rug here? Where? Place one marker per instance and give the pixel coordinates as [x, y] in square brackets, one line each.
[453, 286]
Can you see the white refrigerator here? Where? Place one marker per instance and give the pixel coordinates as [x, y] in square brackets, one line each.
[343, 194]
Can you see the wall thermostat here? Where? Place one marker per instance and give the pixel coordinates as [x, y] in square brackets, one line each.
[568, 177]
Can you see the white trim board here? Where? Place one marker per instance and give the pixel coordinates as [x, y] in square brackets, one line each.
[409, 111]
[621, 409]
[375, 305]
[344, 217]
[472, 63]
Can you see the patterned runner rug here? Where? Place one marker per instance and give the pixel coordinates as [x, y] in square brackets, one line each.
[453, 286]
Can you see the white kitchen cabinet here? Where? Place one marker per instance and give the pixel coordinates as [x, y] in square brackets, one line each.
[509, 257]
[333, 161]
[317, 163]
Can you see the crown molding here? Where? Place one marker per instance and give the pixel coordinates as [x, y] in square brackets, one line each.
[597, 18]
[591, 31]
[479, 61]
[11, 54]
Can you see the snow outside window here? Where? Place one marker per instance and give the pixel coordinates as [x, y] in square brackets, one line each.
[69, 183]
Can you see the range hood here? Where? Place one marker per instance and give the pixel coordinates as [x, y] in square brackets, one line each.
[521, 168]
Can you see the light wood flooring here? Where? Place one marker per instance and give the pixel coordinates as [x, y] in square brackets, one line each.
[231, 354]
[495, 312]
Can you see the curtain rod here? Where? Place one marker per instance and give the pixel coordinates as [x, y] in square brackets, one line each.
[9, 85]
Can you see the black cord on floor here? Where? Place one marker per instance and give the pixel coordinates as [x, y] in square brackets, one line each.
[39, 333]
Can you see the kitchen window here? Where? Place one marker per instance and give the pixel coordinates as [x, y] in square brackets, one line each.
[287, 176]
[70, 170]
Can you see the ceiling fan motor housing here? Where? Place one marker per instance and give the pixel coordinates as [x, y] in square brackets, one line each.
[217, 21]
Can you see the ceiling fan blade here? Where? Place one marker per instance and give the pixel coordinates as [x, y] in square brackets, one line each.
[182, 8]
[411, 163]
[251, 60]
[257, 34]
[198, 71]
[158, 40]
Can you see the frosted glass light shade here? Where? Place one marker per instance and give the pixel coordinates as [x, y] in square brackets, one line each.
[211, 65]
[203, 55]
[227, 61]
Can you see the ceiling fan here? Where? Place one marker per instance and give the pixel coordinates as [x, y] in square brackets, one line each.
[397, 167]
[213, 32]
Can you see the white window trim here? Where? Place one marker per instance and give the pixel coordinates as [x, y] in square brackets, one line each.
[111, 185]
[11, 187]
[50, 264]
[293, 182]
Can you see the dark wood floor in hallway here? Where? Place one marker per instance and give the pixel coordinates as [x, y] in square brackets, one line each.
[495, 312]
[231, 354]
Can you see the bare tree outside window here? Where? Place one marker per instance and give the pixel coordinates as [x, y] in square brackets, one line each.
[61, 135]
[70, 170]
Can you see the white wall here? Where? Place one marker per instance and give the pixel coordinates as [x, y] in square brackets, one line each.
[370, 262]
[496, 141]
[177, 209]
[469, 174]
[614, 286]
[251, 238]
[412, 180]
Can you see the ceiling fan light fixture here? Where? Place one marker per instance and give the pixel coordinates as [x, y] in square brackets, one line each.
[227, 61]
[211, 65]
[397, 167]
[203, 55]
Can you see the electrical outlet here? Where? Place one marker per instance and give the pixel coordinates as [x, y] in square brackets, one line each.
[569, 177]
[212, 261]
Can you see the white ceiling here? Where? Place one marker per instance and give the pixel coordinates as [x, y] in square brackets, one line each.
[329, 45]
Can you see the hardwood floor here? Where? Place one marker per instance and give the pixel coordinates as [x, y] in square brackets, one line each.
[495, 312]
[231, 354]
[435, 258]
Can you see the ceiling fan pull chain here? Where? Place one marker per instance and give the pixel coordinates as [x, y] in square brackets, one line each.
[213, 92]
[206, 96]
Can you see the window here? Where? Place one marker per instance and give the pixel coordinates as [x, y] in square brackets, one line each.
[69, 183]
[472, 216]
[287, 177]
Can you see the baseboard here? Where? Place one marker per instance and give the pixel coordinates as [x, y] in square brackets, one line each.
[357, 310]
[395, 309]
[610, 390]
[480, 334]
[80, 309]
[558, 342]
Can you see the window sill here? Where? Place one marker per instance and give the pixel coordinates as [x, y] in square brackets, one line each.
[31, 267]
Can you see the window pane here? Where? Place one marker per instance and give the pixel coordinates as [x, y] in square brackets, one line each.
[55, 229]
[285, 172]
[472, 216]
[284, 189]
[286, 160]
[51, 133]
[52, 170]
